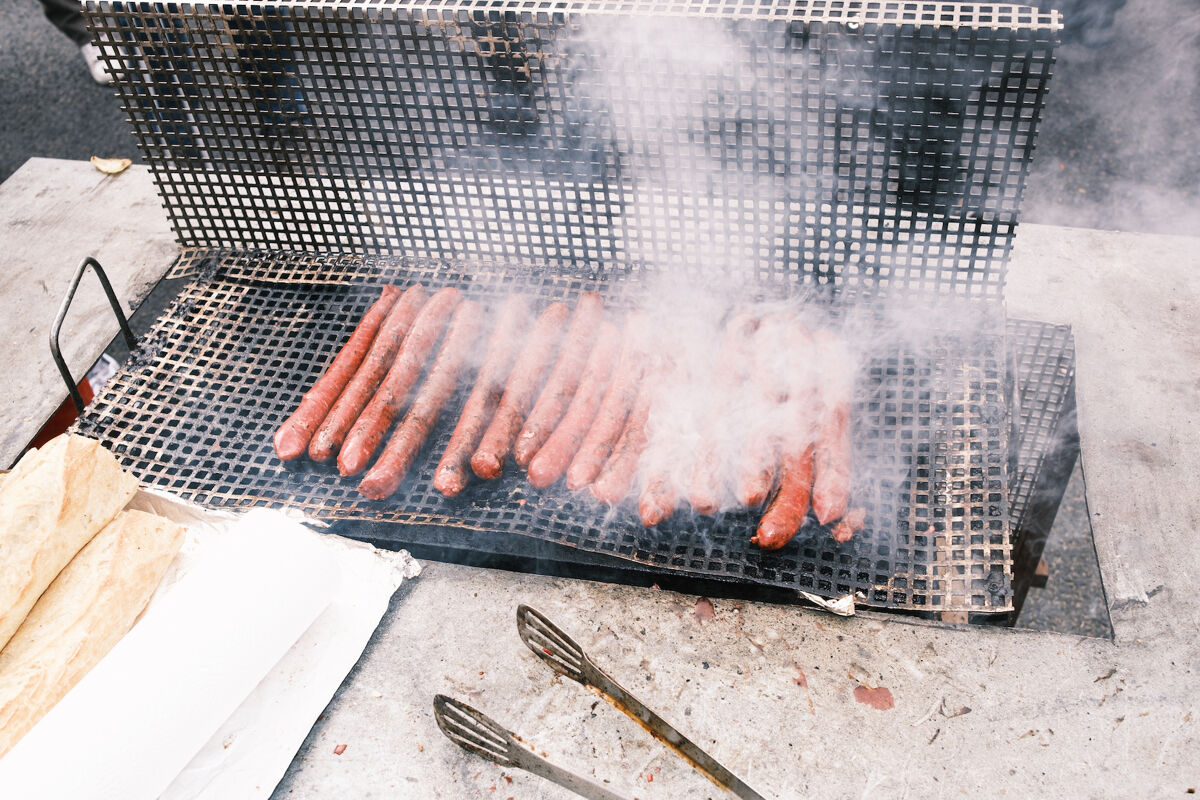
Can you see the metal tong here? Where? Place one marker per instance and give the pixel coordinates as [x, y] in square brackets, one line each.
[478, 733]
[475, 732]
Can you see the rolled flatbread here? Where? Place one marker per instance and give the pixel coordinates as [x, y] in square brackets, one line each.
[92, 603]
[52, 504]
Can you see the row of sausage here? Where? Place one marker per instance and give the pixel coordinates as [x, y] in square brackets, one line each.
[574, 393]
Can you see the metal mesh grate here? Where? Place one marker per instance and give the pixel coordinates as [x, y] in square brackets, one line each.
[1044, 356]
[859, 144]
[194, 413]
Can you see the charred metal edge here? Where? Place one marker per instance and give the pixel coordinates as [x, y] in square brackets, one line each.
[850, 12]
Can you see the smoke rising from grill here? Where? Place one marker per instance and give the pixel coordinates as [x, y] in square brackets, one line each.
[1118, 147]
[752, 165]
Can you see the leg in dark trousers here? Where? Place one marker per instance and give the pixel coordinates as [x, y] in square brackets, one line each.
[67, 17]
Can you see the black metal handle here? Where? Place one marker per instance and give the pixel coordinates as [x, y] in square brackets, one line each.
[56, 352]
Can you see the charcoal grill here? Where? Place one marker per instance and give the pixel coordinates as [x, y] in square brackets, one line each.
[309, 152]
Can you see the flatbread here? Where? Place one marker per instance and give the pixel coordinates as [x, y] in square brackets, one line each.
[92, 603]
[52, 504]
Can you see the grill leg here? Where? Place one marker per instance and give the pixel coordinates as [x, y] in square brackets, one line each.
[1043, 508]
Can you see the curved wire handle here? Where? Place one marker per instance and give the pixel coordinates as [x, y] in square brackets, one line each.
[55, 330]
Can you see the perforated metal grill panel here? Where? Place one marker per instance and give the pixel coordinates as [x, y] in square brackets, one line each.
[1045, 370]
[859, 144]
[194, 413]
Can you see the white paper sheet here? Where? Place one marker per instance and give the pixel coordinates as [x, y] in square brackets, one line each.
[216, 686]
[248, 756]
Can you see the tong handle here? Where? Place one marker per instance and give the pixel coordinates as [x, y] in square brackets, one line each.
[549, 643]
[532, 763]
[477, 733]
[666, 733]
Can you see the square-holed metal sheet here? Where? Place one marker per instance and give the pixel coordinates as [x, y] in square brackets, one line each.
[1044, 359]
[881, 145]
[194, 412]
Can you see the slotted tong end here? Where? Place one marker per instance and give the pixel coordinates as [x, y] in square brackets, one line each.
[474, 731]
[566, 657]
[477, 733]
[553, 646]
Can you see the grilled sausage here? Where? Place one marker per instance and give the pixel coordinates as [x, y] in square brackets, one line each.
[551, 461]
[365, 436]
[563, 381]
[784, 516]
[614, 409]
[849, 525]
[527, 373]
[451, 475]
[293, 436]
[658, 501]
[385, 477]
[705, 487]
[613, 482]
[328, 438]
[787, 510]
[768, 390]
[832, 454]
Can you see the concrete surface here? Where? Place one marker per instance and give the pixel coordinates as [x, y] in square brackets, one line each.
[771, 690]
[53, 214]
[1049, 714]
[1132, 300]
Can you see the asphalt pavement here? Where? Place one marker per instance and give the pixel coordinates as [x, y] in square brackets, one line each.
[49, 105]
[1119, 149]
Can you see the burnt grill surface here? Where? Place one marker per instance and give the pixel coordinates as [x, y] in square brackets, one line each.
[195, 410]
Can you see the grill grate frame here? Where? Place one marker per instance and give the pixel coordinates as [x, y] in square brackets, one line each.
[868, 148]
[195, 409]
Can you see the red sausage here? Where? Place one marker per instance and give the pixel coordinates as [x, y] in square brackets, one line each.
[831, 457]
[551, 461]
[292, 438]
[760, 459]
[613, 482]
[658, 502]
[365, 437]
[563, 381]
[732, 366]
[328, 438]
[451, 475]
[527, 374]
[385, 477]
[848, 525]
[614, 408]
[786, 513]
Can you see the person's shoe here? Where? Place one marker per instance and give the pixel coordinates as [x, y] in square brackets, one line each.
[91, 54]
